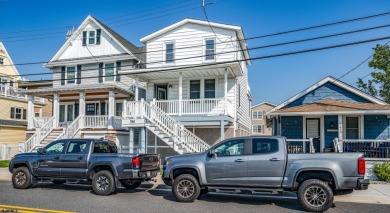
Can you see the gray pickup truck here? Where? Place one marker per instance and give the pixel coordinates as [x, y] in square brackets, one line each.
[84, 161]
[261, 165]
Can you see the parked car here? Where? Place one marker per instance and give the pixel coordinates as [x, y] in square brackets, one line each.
[90, 161]
[261, 165]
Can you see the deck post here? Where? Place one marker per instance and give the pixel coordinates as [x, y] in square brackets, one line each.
[225, 90]
[222, 130]
[340, 131]
[131, 141]
[136, 88]
[180, 93]
[30, 112]
[142, 145]
[56, 110]
[111, 109]
[81, 108]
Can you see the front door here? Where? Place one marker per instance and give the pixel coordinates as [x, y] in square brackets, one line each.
[266, 163]
[229, 165]
[74, 161]
[49, 163]
[161, 92]
[313, 131]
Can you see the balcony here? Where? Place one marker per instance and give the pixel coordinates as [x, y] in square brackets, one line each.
[12, 92]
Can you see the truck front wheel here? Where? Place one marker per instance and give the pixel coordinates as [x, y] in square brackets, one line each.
[186, 188]
[315, 196]
[21, 178]
[103, 183]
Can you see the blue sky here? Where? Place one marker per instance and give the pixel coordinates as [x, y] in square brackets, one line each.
[273, 80]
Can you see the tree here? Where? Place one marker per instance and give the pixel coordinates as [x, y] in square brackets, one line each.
[380, 83]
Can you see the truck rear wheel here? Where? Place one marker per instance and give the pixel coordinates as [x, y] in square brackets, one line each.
[315, 196]
[131, 184]
[103, 183]
[186, 188]
[21, 178]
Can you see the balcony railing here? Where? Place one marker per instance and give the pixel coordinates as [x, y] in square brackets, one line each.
[210, 106]
[95, 121]
[370, 148]
[8, 91]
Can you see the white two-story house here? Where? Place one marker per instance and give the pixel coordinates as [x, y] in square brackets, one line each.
[184, 91]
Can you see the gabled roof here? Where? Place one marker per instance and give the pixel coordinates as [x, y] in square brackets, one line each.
[2, 47]
[328, 105]
[268, 103]
[238, 29]
[126, 45]
[336, 82]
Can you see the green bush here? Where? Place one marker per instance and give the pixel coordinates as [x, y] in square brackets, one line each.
[4, 163]
[382, 171]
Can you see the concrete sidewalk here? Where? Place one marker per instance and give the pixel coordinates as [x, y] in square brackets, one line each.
[376, 193]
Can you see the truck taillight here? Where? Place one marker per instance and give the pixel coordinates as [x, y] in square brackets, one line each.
[136, 162]
[361, 166]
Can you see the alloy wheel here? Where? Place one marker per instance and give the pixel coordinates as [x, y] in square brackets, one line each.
[185, 188]
[20, 178]
[315, 196]
[102, 183]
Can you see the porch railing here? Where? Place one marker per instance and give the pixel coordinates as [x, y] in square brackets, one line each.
[370, 148]
[295, 146]
[73, 128]
[95, 121]
[40, 121]
[192, 106]
[9, 91]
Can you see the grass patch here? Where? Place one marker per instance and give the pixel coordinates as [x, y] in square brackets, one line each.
[4, 163]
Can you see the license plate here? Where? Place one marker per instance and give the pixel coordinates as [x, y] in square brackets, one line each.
[148, 174]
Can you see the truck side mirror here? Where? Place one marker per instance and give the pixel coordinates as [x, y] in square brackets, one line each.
[211, 153]
[40, 151]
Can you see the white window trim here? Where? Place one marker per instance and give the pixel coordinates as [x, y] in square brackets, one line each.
[104, 72]
[89, 30]
[261, 129]
[75, 75]
[165, 53]
[66, 111]
[202, 87]
[21, 113]
[360, 126]
[257, 115]
[204, 50]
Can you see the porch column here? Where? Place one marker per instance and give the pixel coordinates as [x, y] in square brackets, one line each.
[82, 108]
[56, 110]
[136, 88]
[180, 92]
[124, 108]
[142, 144]
[30, 112]
[340, 131]
[222, 130]
[225, 90]
[131, 142]
[111, 109]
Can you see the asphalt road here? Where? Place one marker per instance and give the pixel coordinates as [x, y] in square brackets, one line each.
[82, 199]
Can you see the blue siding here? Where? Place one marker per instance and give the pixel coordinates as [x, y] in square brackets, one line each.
[292, 127]
[329, 136]
[327, 91]
[376, 127]
[275, 126]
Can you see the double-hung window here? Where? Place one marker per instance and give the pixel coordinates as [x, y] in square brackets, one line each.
[210, 49]
[257, 129]
[109, 72]
[169, 52]
[257, 115]
[71, 75]
[1, 61]
[18, 113]
[195, 89]
[209, 88]
[118, 109]
[91, 37]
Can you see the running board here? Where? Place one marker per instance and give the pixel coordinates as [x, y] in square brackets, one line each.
[234, 190]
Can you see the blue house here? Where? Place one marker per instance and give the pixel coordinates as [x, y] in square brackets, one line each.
[331, 109]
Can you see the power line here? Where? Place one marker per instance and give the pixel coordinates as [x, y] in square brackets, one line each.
[254, 48]
[139, 71]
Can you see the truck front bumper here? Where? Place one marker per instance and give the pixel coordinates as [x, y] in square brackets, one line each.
[362, 184]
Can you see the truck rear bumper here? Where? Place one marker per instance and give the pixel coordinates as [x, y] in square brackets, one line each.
[136, 174]
[362, 184]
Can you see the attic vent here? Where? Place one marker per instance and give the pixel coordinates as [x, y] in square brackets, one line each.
[70, 33]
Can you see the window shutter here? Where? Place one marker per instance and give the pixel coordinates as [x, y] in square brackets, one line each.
[100, 72]
[24, 114]
[98, 33]
[78, 74]
[12, 112]
[84, 38]
[118, 68]
[62, 75]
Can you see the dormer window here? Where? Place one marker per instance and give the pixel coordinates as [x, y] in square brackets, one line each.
[1, 61]
[91, 37]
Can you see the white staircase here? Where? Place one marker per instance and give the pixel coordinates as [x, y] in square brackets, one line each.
[52, 136]
[166, 128]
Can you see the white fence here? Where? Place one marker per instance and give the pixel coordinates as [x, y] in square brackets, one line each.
[7, 151]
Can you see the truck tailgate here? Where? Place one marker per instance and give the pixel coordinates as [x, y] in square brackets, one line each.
[149, 162]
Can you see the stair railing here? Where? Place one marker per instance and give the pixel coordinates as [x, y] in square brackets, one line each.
[39, 135]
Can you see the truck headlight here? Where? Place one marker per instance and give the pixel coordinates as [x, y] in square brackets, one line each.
[167, 162]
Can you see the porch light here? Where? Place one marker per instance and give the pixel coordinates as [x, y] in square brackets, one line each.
[170, 86]
[331, 125]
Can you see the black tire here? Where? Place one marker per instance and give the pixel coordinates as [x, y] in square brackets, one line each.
[21, 178]
[59, 181]
[186, 188]
[342, 192]
[315, 195]
[131, 184]
[103, 183]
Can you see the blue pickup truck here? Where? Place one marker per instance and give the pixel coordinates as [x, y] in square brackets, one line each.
[89, 161]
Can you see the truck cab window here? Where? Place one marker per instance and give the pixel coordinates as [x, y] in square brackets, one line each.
[264, 145]
[231, 148]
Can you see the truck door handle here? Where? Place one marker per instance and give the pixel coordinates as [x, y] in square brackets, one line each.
[274, 159]
[240, 160]
[80, 158]
[57, 158]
